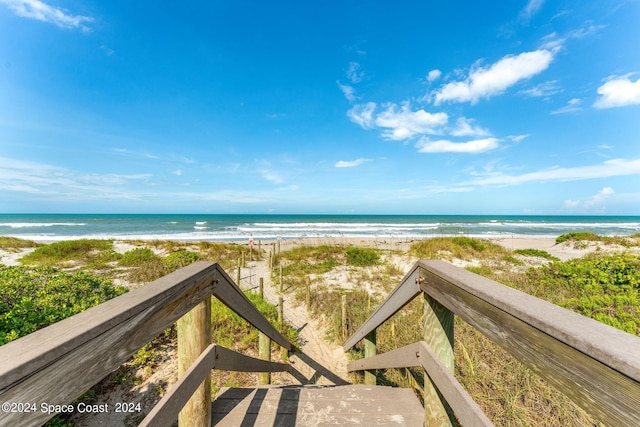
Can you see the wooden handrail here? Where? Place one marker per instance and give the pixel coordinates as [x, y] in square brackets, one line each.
[58, 363]
[420, 355]
[214, 357]
[597, 366]
[402, 295]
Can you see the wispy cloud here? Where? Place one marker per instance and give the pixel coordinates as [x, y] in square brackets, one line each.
[597, 201]
[354, 72]
[609, 168]
[444, 146]
[36, 9]
[485, 82]
[42, 179]
[532, 7]
[518, 138]
[271, 176]
[618, 92]
[572, 106]
[363, 115]
[348, 91]
[543, 89]
[350, 164]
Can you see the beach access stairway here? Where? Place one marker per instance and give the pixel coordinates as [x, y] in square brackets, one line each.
[597, 366]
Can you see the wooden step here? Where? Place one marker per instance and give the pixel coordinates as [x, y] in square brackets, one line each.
[296, 405]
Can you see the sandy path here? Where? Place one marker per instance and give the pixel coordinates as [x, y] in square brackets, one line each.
[319, 361]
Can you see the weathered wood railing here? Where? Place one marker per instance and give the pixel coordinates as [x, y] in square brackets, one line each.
[57, 364]
[597, 366]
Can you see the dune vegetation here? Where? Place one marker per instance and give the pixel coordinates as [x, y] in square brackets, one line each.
[63, 278]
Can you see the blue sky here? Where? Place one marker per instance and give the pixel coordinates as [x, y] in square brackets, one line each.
[458, 107]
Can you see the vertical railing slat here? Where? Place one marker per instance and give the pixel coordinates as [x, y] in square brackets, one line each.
[194, 336]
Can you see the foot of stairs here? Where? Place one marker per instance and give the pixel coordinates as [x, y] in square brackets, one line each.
[296, 405]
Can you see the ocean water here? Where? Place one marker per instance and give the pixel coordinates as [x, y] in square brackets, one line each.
[203, 227]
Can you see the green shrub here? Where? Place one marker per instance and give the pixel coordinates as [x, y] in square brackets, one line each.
[576, 236]
[32, 298]
[90, 251]
[536, 253]
[362, 257]
[176, 260]
[137, 257]
[15, 243]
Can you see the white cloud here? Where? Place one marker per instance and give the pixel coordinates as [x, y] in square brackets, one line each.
[47, 180]
[177, 172]
[518, 138]
[346, 164]
[609, 168]
[543, 89]
[404, 123]
[445, 146]
[532, 7]
[465, 127]
[362, 114]
[618, 92]
[595, 201]
[271, 176]
[348, 91]
[354, 73]
[433, 75]
[572, 106]
[36, 9]
[494, 80]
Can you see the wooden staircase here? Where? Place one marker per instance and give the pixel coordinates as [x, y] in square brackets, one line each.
[314, 405]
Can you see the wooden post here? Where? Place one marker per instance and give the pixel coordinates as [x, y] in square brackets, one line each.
[262, 287]
[344, 317]
[370, 351]
[264, 353]
[244, 261]
[281, 281]
[270, 262]
[308, 299]
[238, 273]
[438, 335]
[194, 335]
[280, 312]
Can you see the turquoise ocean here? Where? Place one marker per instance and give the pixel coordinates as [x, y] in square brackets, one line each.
[206, 227]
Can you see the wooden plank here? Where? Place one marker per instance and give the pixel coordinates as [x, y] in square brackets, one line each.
[229, 360]
[370, 351]
[264, 352]
[404, 357]
[419, 354]
[226, 291]
[194, 336]
[165, 413]
[402, 295]
[536, 333]
[81, 350]
[438, 335]
[34, 351]
[464, 407]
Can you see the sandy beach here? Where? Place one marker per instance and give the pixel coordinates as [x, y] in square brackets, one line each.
[563, 251]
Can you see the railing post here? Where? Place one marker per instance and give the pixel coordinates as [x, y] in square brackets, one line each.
[344, 317]
[264, 352]
[438, 335]
[370, 351]
[194, 335]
